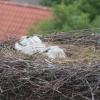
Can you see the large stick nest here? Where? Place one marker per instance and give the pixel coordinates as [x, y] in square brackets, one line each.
[27, 78]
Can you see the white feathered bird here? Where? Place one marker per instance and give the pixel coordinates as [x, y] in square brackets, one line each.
[55, 52]
[23, 41]
[33, 45]
[34, 39]
[30, 45]
[24, 49]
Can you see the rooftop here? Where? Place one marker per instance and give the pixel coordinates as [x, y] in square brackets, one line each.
[15, 19]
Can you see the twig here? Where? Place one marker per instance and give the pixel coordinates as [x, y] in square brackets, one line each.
[91, 90]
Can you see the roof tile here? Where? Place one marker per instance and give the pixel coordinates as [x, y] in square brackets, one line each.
[15, 19]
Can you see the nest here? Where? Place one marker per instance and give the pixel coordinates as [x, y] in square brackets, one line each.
[37, 78]
[82, 37]
[31, 80]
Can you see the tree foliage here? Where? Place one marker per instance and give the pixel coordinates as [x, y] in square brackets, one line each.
[52, 2]
[72, 14]
[92, 7]
[70, 17]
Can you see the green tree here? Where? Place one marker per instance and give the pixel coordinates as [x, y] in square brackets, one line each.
[70, 17]
[92, 7]
[72, 14]
[52, 2]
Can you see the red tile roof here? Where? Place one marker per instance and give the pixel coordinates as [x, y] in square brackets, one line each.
[15, 19]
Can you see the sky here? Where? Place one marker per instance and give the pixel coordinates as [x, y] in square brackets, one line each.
[35, 2]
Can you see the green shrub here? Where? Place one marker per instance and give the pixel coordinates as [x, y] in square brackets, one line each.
[43, 27]
[95, 25]
[70, 17]
[52, 2]
[73, 15]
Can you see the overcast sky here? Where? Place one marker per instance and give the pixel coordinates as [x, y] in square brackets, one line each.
[35, 2]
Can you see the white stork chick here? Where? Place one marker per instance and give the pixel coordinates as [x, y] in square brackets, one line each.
[33, 45]
[23, 41]
[29, 41]
[55, 52]
[37, 44]
[18, 46]
[27, 49]
[35, 39]
[30, 45]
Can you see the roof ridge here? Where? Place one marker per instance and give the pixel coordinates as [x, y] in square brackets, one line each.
[25, 5]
